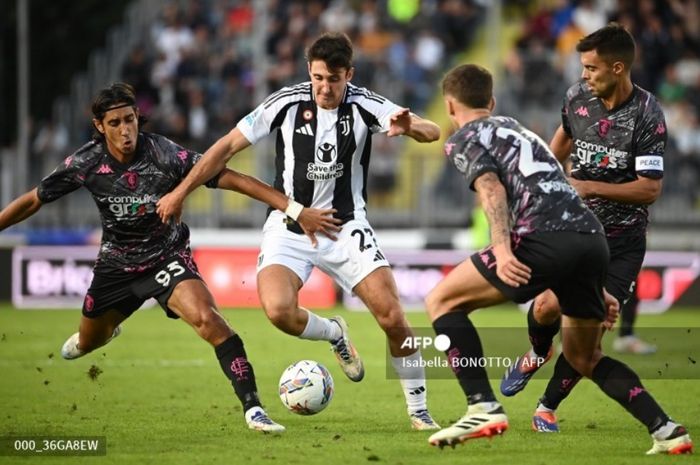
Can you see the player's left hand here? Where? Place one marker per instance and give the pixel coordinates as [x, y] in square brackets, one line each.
[612, 307]
[314, 220]
[581, 187]
[400, 123]
[509, 269]
[170, 206]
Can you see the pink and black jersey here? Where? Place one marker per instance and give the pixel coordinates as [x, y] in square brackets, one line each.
[615, 146]
[540, 199]
[134, 239]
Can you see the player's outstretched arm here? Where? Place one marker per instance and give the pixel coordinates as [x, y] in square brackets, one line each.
[20, 209]
[311, 220]
[212, 162]
[403, 122]
[493, 199]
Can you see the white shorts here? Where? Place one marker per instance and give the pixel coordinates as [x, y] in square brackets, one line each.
[348, 260]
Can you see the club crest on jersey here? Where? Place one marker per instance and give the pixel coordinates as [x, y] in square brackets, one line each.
[604, 126]
[308, 115]
[132, 179]
[345, 125]
[325, 153]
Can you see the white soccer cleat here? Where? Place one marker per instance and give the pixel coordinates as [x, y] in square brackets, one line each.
[633, 345]
[70, 349]
[477, 423]
[257, 420]
[345, 352]
[422, 421]
[678, 442]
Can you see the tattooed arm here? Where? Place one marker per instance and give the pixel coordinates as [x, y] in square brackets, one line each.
[494, 201]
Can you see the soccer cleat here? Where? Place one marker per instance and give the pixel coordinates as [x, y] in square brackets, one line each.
[678, 442]
[258, 420]
[70, 349]
[519, 373]
[345, 352]
[544, 422]
[633, 345]
[422, 421]
[477, 423]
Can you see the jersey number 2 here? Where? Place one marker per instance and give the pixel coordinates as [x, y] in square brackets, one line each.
[527, 164]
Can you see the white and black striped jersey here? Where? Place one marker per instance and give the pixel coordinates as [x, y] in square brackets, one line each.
[322, 156]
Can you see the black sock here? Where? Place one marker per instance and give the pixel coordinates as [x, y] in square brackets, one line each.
[234, 362]
[465, 345]
[619, 382]
[541, 336]
[628, 314]
[560, 385]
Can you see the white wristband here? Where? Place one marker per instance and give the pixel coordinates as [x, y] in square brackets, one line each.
[294, 209]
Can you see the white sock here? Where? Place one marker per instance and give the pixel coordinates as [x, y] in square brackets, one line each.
[412, 377]
[663, 432]
[320, 329]
[542, 408]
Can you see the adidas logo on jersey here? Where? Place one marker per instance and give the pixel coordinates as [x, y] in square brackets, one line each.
[306, 130]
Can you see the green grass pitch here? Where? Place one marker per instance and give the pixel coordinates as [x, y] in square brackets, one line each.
[161, 397]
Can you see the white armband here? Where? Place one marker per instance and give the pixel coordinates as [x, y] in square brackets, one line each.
[294, 210]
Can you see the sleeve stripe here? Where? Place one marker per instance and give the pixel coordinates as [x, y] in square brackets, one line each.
[300, 89]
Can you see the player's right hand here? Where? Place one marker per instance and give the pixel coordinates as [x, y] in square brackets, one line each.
[313, 220]
[509, 269]
[612, 307]
[170, 206]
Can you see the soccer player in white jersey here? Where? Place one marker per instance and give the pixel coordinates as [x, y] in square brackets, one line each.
[323, 150]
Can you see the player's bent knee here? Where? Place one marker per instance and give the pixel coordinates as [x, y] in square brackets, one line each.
[212, 327]
[546, 309]
[281, 317]
[435, 306]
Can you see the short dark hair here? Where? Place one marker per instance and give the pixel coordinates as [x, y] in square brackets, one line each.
[333, 48]
[612, 42]
[471, 84]
[116, 95]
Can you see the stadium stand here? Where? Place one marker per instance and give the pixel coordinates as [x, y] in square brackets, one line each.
[200, 65]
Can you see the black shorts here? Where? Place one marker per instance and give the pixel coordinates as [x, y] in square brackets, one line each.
[626, 257]
[573, 265]
[126, 292]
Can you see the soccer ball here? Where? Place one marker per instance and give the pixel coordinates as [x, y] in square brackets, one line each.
[306, 387]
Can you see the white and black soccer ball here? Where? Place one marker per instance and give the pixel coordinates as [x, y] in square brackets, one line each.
[306, 387]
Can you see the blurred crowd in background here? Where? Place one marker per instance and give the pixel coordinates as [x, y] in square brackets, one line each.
[667, 32]
[195, 74]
